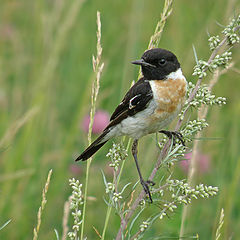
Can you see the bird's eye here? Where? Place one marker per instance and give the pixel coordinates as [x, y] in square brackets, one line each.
[162, 61]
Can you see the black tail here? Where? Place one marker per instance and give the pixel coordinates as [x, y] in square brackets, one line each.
[97, 144]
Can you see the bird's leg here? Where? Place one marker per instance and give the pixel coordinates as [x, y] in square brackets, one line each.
[173, 135]
[144, 183]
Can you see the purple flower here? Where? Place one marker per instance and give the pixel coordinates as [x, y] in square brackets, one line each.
[75, 169]
[203, 162]
[101, 120]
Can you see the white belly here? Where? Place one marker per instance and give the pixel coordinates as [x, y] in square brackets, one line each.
[143, 123]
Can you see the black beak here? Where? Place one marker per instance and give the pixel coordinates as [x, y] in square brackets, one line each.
[143, 63]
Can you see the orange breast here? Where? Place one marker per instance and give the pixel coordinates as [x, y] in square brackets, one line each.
[169, 94]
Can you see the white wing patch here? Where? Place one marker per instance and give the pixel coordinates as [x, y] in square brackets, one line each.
[130, 102]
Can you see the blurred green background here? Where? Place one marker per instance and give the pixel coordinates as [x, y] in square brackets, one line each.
[45, 85]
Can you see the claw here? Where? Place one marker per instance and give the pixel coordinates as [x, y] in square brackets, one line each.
[146, 188]
[151, 183]
[173, 135]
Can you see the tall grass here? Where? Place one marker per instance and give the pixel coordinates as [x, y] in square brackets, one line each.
[97, 68]
[41, 208]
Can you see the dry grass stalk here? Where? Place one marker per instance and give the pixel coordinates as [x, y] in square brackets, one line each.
[97, 68]
[220, 224]
[155, 38]
[66, 212]
[43, 203]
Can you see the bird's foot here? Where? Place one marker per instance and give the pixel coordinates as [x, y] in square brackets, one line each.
[150, 183]
[146, 185]
[173, 135]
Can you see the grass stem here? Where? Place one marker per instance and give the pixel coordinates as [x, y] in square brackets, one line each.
[98, 68]
[43, 203]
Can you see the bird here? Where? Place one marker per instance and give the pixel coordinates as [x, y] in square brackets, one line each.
[149, 105]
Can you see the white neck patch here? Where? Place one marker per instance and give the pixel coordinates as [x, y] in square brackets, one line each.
[176, 75]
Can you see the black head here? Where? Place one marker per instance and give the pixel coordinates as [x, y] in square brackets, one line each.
[157, 63]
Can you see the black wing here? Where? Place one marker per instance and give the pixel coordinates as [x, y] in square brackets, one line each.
[136, 100]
